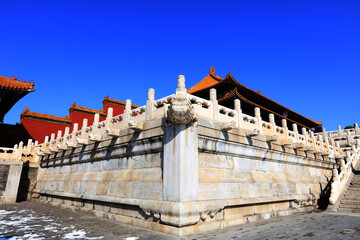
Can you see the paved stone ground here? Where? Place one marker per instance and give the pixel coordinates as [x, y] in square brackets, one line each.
[35, 221]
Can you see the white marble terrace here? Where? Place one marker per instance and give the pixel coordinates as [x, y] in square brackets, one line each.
[332, 144]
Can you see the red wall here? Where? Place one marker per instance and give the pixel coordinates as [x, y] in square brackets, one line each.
[77, 117]
[38, 129]
[117, 109]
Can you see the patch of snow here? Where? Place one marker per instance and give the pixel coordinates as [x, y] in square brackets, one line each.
[50, 228]
[66, 228]
[75, 234]
[4, 212]
[29, 236]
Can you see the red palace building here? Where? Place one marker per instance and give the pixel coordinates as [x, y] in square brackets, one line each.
[40, 125]
[37, 125]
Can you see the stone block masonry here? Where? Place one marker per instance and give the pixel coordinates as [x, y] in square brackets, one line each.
[182, 164]
[10, 173]
[4, 172]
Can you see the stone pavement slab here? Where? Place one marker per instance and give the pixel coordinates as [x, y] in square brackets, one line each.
[38, 221]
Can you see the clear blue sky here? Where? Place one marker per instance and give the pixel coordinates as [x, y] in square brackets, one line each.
[302, 54]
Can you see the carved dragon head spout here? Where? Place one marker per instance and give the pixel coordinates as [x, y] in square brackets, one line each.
[180, 110]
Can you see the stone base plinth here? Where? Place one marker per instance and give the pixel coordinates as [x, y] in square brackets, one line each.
[183, 218]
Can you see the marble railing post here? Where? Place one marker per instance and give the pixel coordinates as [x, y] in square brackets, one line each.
[295, 130]
[284, 125]
[84, 126]
[67, 131]
[96, 119]
[272, 122]
[325, 136]
[339, 131]
[215, 104]
[321, 142]
[357, 130]
[150, 104]
[81, 139]
[238, 110]
[180, 168]
[52, 138]
[258, 119]
[303, 130]
[29, 145]
[342, 165]
[94, 134]
[46, 141]
[109, 116]
[349, 138]
[71, 139]
[110, 129]
[59, 133]
[125, 121]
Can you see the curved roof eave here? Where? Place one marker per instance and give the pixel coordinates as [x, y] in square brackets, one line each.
[232, 79]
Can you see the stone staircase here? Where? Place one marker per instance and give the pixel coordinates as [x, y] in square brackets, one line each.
[351, 200]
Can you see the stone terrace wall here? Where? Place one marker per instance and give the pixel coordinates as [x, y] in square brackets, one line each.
[183, 164]
[4, 172]
[256, 178]
[117, 168]
[10, 173]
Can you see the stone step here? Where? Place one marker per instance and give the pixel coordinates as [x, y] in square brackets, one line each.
[349, 210]
[354, 206]
[350, 201]
[352, 194]
[356, 181]
[351, 198]
[353, 188]
[354, 185]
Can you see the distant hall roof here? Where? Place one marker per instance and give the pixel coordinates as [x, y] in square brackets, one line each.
[11, 91]
[229, 88]
[15, 84]
[45, 117]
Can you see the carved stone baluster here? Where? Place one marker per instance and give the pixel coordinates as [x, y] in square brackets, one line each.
[150, 104]
[339, 131]
[71, 138]
[126, 114]
[82, 139]
[295, 129]
[215, 104]
[238, 110]
[53, 147]
[357, 130]
[306, 138]
[94, 134]
[258, 119]
[272, 122]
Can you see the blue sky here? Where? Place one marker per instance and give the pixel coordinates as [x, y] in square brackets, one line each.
[302, 54]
